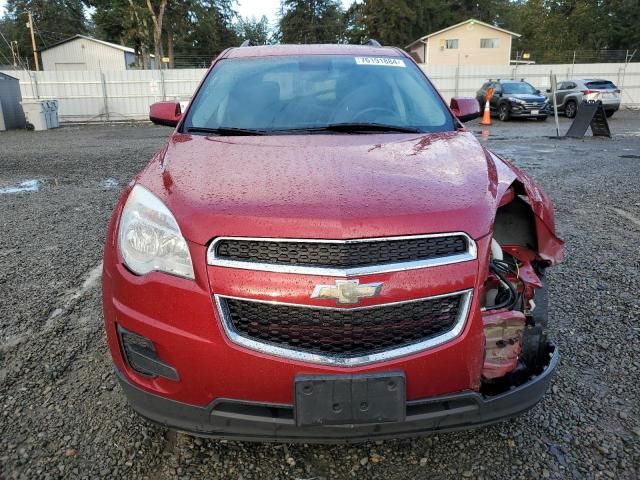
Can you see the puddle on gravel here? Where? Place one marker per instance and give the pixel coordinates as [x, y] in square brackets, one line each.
[109, 183]
[26, 186]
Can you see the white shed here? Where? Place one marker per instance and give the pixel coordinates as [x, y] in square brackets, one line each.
[87, 53]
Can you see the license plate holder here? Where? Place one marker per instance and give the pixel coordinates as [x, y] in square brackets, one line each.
[349, 399]
[535, 112]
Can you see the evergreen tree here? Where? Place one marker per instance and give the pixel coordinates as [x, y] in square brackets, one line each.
[391, 22]
[355, 29]
[53, 20]
[253, 30]
[311, 21]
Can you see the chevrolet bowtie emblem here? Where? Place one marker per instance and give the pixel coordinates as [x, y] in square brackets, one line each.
[347, 291]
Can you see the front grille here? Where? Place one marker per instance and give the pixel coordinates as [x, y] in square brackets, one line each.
[343, 333]
[534, 106]
[348, 254]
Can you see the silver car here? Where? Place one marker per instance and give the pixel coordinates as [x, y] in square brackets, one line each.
[570, 94]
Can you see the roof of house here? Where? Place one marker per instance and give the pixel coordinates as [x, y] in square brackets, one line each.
[76, 37]
[471, 20]
[6, 76]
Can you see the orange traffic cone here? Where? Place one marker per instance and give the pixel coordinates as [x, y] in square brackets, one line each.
[486, 117]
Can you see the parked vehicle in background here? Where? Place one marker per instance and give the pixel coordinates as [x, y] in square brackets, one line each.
[572, 92]
[514, 98]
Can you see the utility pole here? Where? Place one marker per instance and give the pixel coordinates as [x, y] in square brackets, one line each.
[33, 41]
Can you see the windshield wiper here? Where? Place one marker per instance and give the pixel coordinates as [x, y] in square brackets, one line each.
[357, 128]
[226, 131]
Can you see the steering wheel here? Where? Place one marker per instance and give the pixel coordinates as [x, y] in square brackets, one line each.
[362, 114]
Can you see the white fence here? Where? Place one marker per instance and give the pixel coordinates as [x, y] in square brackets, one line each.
[91, 96]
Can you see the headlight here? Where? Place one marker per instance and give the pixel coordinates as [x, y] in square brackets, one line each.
[149, 237]
[515, 100]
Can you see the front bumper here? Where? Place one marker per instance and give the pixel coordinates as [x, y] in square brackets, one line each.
[231, 419]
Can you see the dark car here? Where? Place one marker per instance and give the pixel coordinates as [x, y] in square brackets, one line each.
[514, 98]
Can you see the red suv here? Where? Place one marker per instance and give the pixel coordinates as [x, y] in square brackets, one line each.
[321, 252]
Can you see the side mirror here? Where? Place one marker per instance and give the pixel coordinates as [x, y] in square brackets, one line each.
[465, 108]
[538, 92]
[548, 90]
[165, 113]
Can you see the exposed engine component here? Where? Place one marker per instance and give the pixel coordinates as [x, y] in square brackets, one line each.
[503, 334]
[514, 323]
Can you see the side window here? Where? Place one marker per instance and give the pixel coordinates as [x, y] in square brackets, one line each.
[489, 43]
[485, 86]
[570, 86]
[497, 88]
[451, 44]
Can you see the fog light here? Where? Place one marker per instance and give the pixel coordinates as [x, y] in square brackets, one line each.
[503, 337]
[141, 356]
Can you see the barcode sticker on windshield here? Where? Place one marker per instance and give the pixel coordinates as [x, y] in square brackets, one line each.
[380, 61]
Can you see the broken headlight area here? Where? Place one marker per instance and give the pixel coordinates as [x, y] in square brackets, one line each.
[514, 316]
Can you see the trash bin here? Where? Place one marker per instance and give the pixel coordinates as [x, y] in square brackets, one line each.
[55, 120]
[46, 104]
[35, 112]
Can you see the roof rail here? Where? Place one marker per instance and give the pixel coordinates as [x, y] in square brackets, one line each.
[247, 43]
[372, 42]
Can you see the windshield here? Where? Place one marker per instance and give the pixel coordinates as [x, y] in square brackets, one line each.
[518, 88]
[290, 93]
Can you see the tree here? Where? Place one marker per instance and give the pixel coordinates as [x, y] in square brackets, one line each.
[311, 21]
[10, 53]
[157, 16]
[257, 32]
[53, 20]
[624, 18]
[355, 29]
[391, 22]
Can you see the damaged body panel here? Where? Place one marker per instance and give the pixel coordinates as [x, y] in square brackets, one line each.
[524, 244]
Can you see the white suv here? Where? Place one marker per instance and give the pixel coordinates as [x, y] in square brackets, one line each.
[571, 93]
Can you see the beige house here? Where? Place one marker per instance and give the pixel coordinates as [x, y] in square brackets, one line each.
[468, 43]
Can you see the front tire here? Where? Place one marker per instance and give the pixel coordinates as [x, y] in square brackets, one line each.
[609, 113]
[571, 109]
[541, 119]
[503, 112]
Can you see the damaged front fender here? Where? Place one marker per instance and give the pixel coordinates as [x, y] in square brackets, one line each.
[513, 182]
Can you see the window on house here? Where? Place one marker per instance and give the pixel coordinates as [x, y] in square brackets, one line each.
[489, 42]
[451, 44]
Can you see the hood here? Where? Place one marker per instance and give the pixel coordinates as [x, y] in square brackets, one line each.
[327, 186]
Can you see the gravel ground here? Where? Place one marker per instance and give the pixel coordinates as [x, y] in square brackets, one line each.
[62, 414]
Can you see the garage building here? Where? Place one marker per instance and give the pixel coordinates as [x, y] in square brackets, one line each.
[87, 53]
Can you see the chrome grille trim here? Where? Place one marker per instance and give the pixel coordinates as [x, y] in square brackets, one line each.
[461, 321]
[470, 254]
